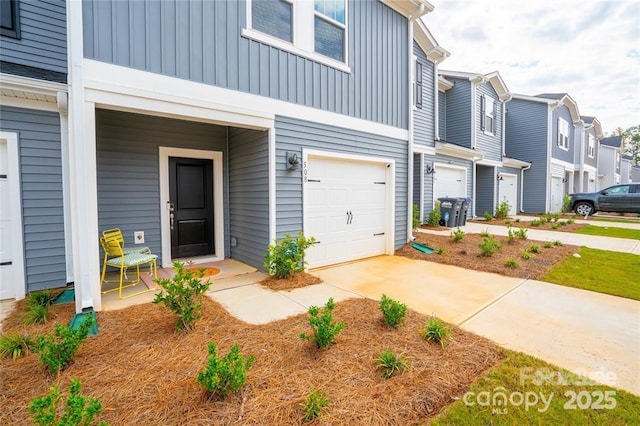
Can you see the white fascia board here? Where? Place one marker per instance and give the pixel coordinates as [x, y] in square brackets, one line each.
[457, 151]
[116, 87]
[514, 163]
[444, 84]
[499, 86]
[569, 167]
[31, 85]
[429, 45]
[29, 103]
[573, 109]
[492, 163]
[533, 99]
[410, 8]
[419, 149]
[462, 75]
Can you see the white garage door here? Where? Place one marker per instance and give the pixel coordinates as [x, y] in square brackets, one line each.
[345, 207]
[7, 267]
[449, 182]
[508, 189]
[557, 191]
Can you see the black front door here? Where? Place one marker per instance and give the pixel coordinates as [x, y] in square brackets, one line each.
[191, 195]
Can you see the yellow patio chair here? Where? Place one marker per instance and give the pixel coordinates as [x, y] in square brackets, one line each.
[117, 234]
[115, 257]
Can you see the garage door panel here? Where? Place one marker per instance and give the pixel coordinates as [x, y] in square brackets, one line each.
[449, 182]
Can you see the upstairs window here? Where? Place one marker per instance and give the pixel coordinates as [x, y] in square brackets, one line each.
[10, 17]
[488, 114]
[330, 28]
[563, 134]
[591, 149]
[617, 161]
[418, 87]
[273, 17]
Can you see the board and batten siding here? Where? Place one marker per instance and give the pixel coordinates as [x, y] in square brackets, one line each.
[249, 195]
[526, 139]
[557, 152]
[43, 36]
[489, 144]
[127, 155]
[292, 135]
[444, 159]
[459, 113]
[485, 189]
[40, 151]
[202, 41]
[423, 118]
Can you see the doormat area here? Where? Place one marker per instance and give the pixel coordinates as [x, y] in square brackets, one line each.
[208, 271]
[67, 296]
[213, 271]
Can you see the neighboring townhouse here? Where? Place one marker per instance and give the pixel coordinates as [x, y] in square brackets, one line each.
[626, 164]
[266, 117]
[609, 161]
[588, 135]
[635, 174]
[541, 129]
[34, 216]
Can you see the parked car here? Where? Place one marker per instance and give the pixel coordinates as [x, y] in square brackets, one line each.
[618, 198]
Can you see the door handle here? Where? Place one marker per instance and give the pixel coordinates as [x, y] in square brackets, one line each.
[349, 217]
[171, 215]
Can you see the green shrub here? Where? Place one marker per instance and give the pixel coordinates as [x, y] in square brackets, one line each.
[557, 243]
[520, 233]
[566, 200]
[485, 233]
[457, 235]
[37, 314]
[489, 246]
[182, 294]
[518, 220]
[435, 215]
[511, 263]
[287, 255]
[440, 251]
[15, 345]
[555, 226]
[502, 210]
[78, 410]
[44, 298]
[511, 236]
[57, 350]
[415, 217]
[390, 363]
[570, 221]
[313, 404]
[393, 311]
[436, 331]
[534, 248]
[525, 255]
[324, 329]
[224, 374]
[549, 244]
[487, 216]
[536, 222]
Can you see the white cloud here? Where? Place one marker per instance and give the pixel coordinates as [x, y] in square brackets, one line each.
[590, 50]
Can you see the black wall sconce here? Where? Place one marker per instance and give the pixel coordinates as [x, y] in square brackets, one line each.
[429, 169]
[293, 162]
[500, 177]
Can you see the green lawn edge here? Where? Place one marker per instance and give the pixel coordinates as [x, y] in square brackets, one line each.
[612, 231]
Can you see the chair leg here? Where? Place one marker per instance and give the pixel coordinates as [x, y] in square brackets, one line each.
[120, 287]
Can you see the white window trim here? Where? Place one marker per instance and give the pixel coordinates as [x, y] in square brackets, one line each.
[591, 150]
[488, 112]
[564, 123]
[303, 35]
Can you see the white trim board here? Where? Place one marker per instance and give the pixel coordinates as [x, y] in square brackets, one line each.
[218, 201]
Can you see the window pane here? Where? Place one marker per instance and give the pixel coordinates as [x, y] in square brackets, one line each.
[273, 17]
[329, 39]
[333, 9]
[6, 14]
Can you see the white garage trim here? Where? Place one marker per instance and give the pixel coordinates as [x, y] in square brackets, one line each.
[437, 166]
[513, 207]
[389, 187]
[15, 202]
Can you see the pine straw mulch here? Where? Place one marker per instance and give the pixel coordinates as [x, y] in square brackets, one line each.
[466, 254]
[297, 280]
[144, 373]
[547, 226]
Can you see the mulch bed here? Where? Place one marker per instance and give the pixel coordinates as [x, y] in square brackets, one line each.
[547, 226]
[298, 280]
[466, 254]
[145, 374]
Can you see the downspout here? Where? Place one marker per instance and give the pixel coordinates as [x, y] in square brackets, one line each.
[436, 103]
[522, 187]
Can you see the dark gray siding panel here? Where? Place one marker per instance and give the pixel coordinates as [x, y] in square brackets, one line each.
[423, 118]
[442, 115]
[293, 135]
[43, 36]
[490, 145]
[526, 139]
[127, 151]
[485, 189]
[249, 194]
[41, 185]
[459, 113]
[556, 151]
[417, 175]
[201, 41]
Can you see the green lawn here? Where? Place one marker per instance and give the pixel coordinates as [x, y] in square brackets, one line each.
[599, 270]
[612, 231]
[540, 393]
[612, 219]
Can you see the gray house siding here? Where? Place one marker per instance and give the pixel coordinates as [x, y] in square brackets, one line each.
[442, 115]
[41, 189]
[292, 135]
[43, 36]
[127, 152]
[557, 152]
[417, 175]
[458, 123]
[201, 41]
[423, 118]
[489, 145]
[485, 189]
[590, 161]
[249, 194]
[526, 139]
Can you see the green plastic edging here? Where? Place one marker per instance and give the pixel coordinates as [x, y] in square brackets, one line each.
[69, 295]
[422, 248]
[79, 319]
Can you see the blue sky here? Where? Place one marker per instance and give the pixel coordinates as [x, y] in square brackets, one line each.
[589, 49]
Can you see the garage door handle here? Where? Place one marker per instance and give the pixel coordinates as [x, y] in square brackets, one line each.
[378, 234]
[6, 263]
[349, 217]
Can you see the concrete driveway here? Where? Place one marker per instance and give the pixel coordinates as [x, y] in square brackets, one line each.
[593, 334]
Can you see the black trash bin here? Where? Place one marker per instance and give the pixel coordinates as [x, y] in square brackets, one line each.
[462, 218]
[450, 210]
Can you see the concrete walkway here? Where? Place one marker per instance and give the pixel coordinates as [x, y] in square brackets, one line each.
[591, 221]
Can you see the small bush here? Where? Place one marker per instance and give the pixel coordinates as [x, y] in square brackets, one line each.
[435, 215]
[313, 404]
[390, 363]
[77, 409]
[566, 200]
[508, 222]
[520, 233]
[557, 243]
[44, 298]
[570, 221]
[511, 263]
[511, 236]
[549, 244]
[37, 314]
[487, 216]
[457, 235]
[485, 233]
[436, 331]
[224, 374]
[502, 210]
[525, 255]
[440, 251]
[57, 351]
[182, 294]
[324, 329]
[287, 255]
[536, 222]
[489, 246]
[534, 248]
[393, 311]
[15, 345]
[555, 226]
[518, 220]
[415, 217]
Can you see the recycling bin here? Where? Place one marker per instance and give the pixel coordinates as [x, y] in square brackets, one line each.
[462, 218]
[450, 210]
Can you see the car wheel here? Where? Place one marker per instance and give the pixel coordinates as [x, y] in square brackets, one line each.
[584, 209]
